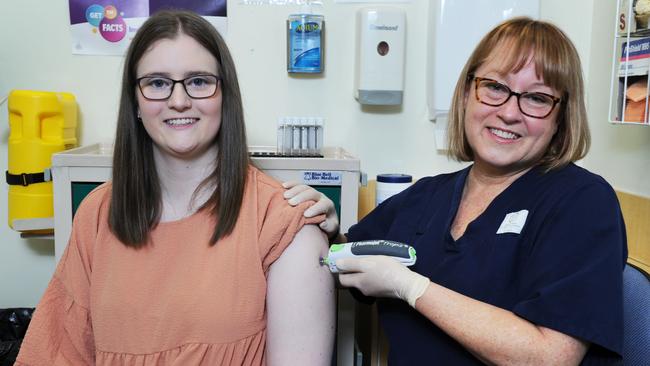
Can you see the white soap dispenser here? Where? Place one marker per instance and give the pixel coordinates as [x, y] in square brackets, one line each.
[381, 37]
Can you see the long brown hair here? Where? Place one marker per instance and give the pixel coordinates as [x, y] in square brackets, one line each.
[556, 61]
[136, 194]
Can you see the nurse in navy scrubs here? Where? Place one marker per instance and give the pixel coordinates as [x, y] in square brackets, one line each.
[520, 255]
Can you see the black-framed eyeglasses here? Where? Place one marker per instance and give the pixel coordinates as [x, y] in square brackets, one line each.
[161, 88]
[532, 104]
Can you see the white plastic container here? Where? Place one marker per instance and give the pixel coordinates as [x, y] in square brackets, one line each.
[391, 184]
[380, 55]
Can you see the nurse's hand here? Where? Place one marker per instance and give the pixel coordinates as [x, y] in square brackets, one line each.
[382, 276]
[297, 193]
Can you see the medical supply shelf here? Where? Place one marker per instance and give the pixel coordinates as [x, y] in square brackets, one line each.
[78, 171]
[630, 90]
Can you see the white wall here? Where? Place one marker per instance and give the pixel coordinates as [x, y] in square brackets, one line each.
[36, 55]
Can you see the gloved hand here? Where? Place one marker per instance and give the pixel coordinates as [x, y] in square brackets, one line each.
[382, 276]
[297, 193]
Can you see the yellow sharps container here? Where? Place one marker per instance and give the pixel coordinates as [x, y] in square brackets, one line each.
[40, 124]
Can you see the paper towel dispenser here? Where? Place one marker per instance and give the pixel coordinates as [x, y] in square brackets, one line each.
[455, 28]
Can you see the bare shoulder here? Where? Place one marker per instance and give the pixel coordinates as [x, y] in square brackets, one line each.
[309, 242]
[302, 257]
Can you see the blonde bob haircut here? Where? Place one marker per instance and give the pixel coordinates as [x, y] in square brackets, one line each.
[514, 43]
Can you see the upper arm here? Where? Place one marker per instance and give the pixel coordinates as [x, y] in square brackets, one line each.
[301, 303]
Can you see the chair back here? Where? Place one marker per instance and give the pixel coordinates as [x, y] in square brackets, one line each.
[636, 317]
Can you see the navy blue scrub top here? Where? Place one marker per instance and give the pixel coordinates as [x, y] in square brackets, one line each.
[558, 261]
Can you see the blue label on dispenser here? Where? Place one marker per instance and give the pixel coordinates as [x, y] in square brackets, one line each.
[325, 178]
[305, 52]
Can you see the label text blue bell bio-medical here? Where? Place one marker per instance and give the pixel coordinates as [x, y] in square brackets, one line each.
[305, 43]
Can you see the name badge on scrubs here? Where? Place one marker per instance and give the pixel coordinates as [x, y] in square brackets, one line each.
[513, 223]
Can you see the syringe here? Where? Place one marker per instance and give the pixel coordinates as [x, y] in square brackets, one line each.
[403, 253]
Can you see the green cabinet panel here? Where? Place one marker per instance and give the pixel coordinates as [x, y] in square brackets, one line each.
[81, 189]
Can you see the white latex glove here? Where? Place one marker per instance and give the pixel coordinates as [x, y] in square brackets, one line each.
[382, 276]
[297, 193]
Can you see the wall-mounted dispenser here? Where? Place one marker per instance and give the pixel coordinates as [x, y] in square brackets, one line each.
[381, 37]
[305, 41]
[455, 28]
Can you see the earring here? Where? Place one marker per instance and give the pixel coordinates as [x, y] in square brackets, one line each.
[139, 118]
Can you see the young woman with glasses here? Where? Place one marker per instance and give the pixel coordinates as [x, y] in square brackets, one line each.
[520, 255]
[190, 256]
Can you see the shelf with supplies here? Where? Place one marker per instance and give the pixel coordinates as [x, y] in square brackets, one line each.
[630, 90]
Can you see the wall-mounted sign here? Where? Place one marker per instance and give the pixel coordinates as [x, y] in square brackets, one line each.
[105, 27]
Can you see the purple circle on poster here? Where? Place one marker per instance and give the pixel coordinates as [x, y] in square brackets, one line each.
[113, 30]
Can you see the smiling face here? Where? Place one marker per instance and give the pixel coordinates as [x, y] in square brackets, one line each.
[503, 139]
[180, 126]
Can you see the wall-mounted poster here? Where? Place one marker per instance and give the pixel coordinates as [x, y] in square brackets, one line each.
[106, 27]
